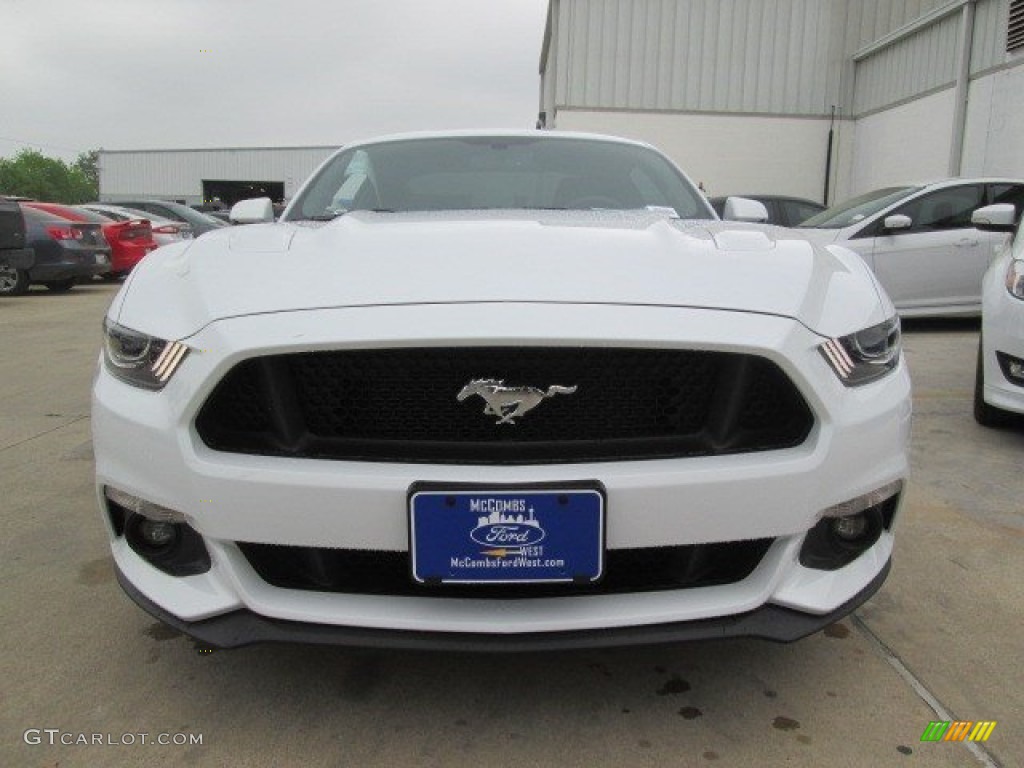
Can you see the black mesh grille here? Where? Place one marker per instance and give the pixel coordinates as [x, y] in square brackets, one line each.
[387, 573]
[400, 405]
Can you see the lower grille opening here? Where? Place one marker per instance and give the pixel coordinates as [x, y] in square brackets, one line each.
[369, 572]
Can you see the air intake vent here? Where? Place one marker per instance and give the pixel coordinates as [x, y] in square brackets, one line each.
[1015, 26]
[606, 404]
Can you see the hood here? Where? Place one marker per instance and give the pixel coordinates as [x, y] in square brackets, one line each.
[593, 257]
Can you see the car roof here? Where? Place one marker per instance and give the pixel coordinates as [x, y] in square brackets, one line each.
[955, 181]
[520, 133]
[127, 210]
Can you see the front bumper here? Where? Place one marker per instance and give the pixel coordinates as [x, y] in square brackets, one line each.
[243, 627]
[146, 445]
[1002, 331]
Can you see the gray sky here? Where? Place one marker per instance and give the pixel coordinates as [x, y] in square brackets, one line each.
[147, 74]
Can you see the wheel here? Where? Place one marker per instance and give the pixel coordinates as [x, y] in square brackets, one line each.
[985, 414]
[60, 286]
[13, 282]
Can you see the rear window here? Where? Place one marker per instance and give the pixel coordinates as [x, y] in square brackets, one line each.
[96, 217]
[41, 217]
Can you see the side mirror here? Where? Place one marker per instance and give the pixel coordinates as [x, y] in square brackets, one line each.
[995, 218]
[254, 211]
[744, 209]
[897, 222]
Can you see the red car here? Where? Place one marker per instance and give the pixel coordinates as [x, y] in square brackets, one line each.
[129, 240]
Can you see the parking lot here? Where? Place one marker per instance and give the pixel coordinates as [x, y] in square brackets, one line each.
[940, 641]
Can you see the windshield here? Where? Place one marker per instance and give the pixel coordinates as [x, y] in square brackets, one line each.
[857, 209]
[446, 174]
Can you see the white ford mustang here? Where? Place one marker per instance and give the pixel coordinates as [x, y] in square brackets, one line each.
[500, 391]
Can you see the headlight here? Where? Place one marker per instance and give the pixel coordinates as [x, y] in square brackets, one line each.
[138, 359]
[866, 355]
[1015, 278]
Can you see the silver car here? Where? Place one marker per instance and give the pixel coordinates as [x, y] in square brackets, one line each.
[920, 241]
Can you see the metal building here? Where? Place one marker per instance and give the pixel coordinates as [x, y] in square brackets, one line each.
[813, 98]
[195, 176]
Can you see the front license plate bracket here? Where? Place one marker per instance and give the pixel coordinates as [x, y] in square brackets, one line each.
[496, 534]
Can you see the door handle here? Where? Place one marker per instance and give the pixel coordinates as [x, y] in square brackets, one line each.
[965, 242]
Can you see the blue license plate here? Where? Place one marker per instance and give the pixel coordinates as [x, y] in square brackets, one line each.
[487, 536]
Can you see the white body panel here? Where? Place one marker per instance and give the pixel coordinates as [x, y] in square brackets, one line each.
[1002, 330]
[925, 273]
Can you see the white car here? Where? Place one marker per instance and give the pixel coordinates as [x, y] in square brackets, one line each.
[920, 241]
[507, 391]
[165, 231]
[999, 384]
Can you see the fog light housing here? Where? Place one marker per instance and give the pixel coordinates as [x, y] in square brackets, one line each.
[1012, 367]
[850, 528]
[157, 534]
[847, 530]
[142, 507]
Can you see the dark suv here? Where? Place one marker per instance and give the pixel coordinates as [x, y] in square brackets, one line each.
[15, 258]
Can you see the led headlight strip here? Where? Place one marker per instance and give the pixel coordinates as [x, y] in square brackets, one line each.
[868, 354]
[138, 359]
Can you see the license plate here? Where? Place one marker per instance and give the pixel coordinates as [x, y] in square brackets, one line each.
[500, 536]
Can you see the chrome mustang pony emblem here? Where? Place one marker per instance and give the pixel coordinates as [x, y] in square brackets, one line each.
[509, 403]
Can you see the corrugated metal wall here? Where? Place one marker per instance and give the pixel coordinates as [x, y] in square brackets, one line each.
[913, 66]
[869, 20]
[764, 56]
[925, 60]
[989, 45]
[784, 57]
[179, 173]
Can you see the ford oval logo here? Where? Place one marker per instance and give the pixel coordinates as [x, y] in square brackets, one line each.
[508, 534]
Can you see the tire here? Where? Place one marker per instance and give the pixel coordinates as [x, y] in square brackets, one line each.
[113, 277]
[985, 414]
[60, 286]
[13, 282]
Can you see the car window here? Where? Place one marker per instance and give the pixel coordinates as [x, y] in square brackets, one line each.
[797, 211]
[96, 217]
[858, 208]
[1009, 193]
[108, 214]
[167, 213]
[949, 208]
[40, 216]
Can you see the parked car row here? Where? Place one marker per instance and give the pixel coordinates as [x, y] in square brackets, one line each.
[70, 243]
[201, 223]
[64, 251]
